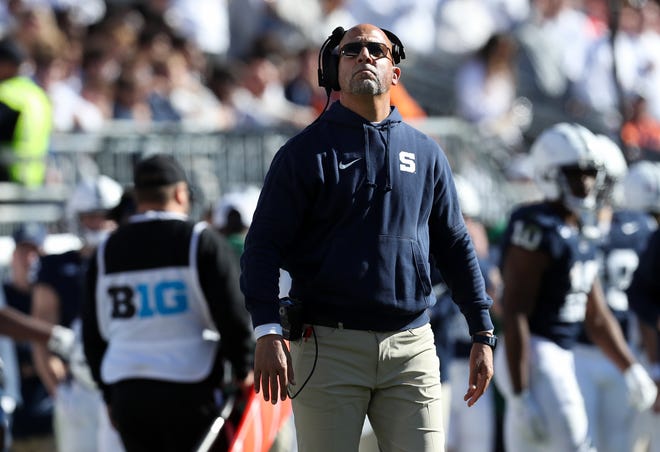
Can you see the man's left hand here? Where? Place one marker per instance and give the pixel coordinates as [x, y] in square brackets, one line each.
[481, 372]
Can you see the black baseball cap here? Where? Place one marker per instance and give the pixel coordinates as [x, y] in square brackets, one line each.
[157, 171]
[30, 233]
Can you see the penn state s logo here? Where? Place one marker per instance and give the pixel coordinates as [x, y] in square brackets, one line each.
[407, 162]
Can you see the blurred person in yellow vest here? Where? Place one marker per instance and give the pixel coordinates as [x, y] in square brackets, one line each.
[25, 121]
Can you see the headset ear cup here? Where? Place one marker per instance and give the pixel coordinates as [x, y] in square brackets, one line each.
[329, 61]
[333, 71]
[323, 64]
[398, 53]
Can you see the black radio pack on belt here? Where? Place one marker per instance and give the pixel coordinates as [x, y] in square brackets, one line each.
[291, 318]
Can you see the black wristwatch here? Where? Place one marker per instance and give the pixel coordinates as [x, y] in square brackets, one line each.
[491, 341]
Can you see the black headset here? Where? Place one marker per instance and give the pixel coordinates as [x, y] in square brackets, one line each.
[329, 57]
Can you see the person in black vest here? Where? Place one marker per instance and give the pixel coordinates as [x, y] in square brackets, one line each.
[162, 307]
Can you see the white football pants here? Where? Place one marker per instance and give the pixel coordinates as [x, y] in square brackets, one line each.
[81, 422]
[605, 396]
[554, 387]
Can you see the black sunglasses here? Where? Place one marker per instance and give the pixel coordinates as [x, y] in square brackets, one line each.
[377, 50]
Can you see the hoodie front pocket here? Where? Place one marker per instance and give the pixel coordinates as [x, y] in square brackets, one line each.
[401, 272]
[387, 270]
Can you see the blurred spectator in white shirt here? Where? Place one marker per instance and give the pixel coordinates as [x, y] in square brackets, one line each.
[334, 13]
[71, 111]
[650, 40]
[486, 89]
[413, 21]
[596, 90]
[553, 43]
[260, 97]
[205, 22]
[507, 14]
[198, 107]
[457, 36]
[130, 99]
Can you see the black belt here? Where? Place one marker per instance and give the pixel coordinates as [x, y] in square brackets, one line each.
[331, 323]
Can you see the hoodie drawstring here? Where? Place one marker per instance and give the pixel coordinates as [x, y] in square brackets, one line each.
[388, 182]
[371, 178]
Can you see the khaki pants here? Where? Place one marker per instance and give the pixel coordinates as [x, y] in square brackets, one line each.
[393, 378]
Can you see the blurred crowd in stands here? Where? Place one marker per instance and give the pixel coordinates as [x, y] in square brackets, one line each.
[510, 66]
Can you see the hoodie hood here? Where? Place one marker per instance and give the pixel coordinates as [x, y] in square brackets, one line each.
[339, 114]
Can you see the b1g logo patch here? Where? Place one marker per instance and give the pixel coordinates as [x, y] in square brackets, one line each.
[407, 162]
[147, 300]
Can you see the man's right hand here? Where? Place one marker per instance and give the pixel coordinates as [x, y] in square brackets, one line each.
[273, 370]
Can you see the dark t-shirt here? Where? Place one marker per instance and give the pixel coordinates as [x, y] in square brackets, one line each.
[65, 274]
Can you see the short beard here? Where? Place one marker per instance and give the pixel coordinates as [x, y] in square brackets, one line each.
[366, 86]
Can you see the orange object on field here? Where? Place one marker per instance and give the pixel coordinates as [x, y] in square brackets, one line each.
[260, 424]
[405, 103]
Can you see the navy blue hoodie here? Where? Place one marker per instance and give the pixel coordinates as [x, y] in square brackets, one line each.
[353, 211]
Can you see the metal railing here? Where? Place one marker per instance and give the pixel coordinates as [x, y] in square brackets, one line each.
[216, 161]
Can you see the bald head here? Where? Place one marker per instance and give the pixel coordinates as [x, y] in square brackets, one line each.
[365, 32]
[366, 63]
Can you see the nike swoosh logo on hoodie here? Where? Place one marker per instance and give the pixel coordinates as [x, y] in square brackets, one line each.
[343, 165]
